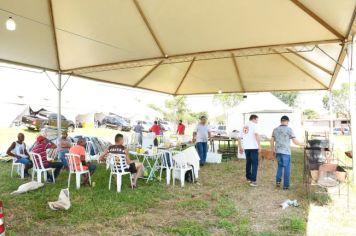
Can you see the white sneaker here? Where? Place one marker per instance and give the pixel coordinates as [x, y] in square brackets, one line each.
[253, 184]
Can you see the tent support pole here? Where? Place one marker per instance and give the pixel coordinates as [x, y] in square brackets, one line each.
[331, 118]
[352, 81]
[59, 115]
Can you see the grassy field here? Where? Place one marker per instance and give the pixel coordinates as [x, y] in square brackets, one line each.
[222, 203]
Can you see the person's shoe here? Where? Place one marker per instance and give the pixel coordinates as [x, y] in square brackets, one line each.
[285, 188]
[26, 175]
[253, 184]
[49, 180]
[248, 181]
[278, 184]
[201, 164]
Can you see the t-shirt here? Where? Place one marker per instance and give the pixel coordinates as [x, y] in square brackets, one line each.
[282, 136]
[156, 129]
[138, 129]
[248, 136]
[202, 133]
[78, 150]
[181, 129]
[40, 148]
[66, 142]
[117, 149]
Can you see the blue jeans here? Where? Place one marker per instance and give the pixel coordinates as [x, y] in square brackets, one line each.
[62, 157]
[251, 164]
[24, 161]
[202, 148]
[283, 163]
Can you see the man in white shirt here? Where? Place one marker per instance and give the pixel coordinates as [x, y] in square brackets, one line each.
[201, 135]
[249, 142]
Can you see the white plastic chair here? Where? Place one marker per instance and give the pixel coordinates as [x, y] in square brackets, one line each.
[88, 156]
[20, 168]
[167, 163]
[38, 168]
[181, 166]
[76, 169]
[118, 167]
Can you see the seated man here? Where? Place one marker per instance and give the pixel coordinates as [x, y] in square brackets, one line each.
[79, 149]
[18, 150]
[40, 148]
[119, 148]
[64, 143]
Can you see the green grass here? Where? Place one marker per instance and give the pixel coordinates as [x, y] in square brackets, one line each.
[191, 228]
[221, 204]
[193, 204]
[225, 208]
[88, 203]
[293, 224]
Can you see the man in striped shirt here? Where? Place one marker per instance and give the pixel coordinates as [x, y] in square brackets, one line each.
[40, 148]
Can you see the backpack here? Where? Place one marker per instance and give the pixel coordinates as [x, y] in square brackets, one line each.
[189, 176]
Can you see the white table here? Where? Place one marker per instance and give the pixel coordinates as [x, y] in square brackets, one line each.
[146, 162]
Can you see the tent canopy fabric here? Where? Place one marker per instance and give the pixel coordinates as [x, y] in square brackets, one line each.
[182, 46]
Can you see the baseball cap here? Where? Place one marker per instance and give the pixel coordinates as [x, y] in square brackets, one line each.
[40, 138]
[285, 118]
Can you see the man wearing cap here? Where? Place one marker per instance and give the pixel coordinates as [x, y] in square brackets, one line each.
[40, 148]
[280, 145]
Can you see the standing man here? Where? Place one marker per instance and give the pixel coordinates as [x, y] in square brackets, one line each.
[63, 145]
[180, 128]
[280, 145]
[249, 142]
[18, 150]
[138, 129]
[201, 135]
[156, 129]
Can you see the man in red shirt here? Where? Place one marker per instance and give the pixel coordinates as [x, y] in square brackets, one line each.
[156, 128]
[40, 148]
[180, 128]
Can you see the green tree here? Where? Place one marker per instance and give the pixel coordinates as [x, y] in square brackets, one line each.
[310, 114]
[289, 98]
[340, 101]
[228, 101]
[220, 119]
[177, 109]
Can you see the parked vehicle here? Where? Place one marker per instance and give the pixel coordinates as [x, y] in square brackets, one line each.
[342, 131]
[166, 126]
[219, 130]
[115, 122]
[43, 118]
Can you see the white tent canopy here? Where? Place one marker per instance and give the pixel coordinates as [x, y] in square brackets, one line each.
[183, 47]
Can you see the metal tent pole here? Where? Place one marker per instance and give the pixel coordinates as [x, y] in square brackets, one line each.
[352, 81]
[59, 115]
[331, 111]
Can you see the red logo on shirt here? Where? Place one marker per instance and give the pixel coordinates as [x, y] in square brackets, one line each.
[246, 130]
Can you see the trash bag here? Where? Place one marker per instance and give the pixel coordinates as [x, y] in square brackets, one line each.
[63, 202]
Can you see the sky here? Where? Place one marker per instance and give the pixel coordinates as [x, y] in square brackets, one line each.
[33, 87]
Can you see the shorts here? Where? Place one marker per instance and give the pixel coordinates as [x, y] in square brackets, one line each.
[132, 168]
